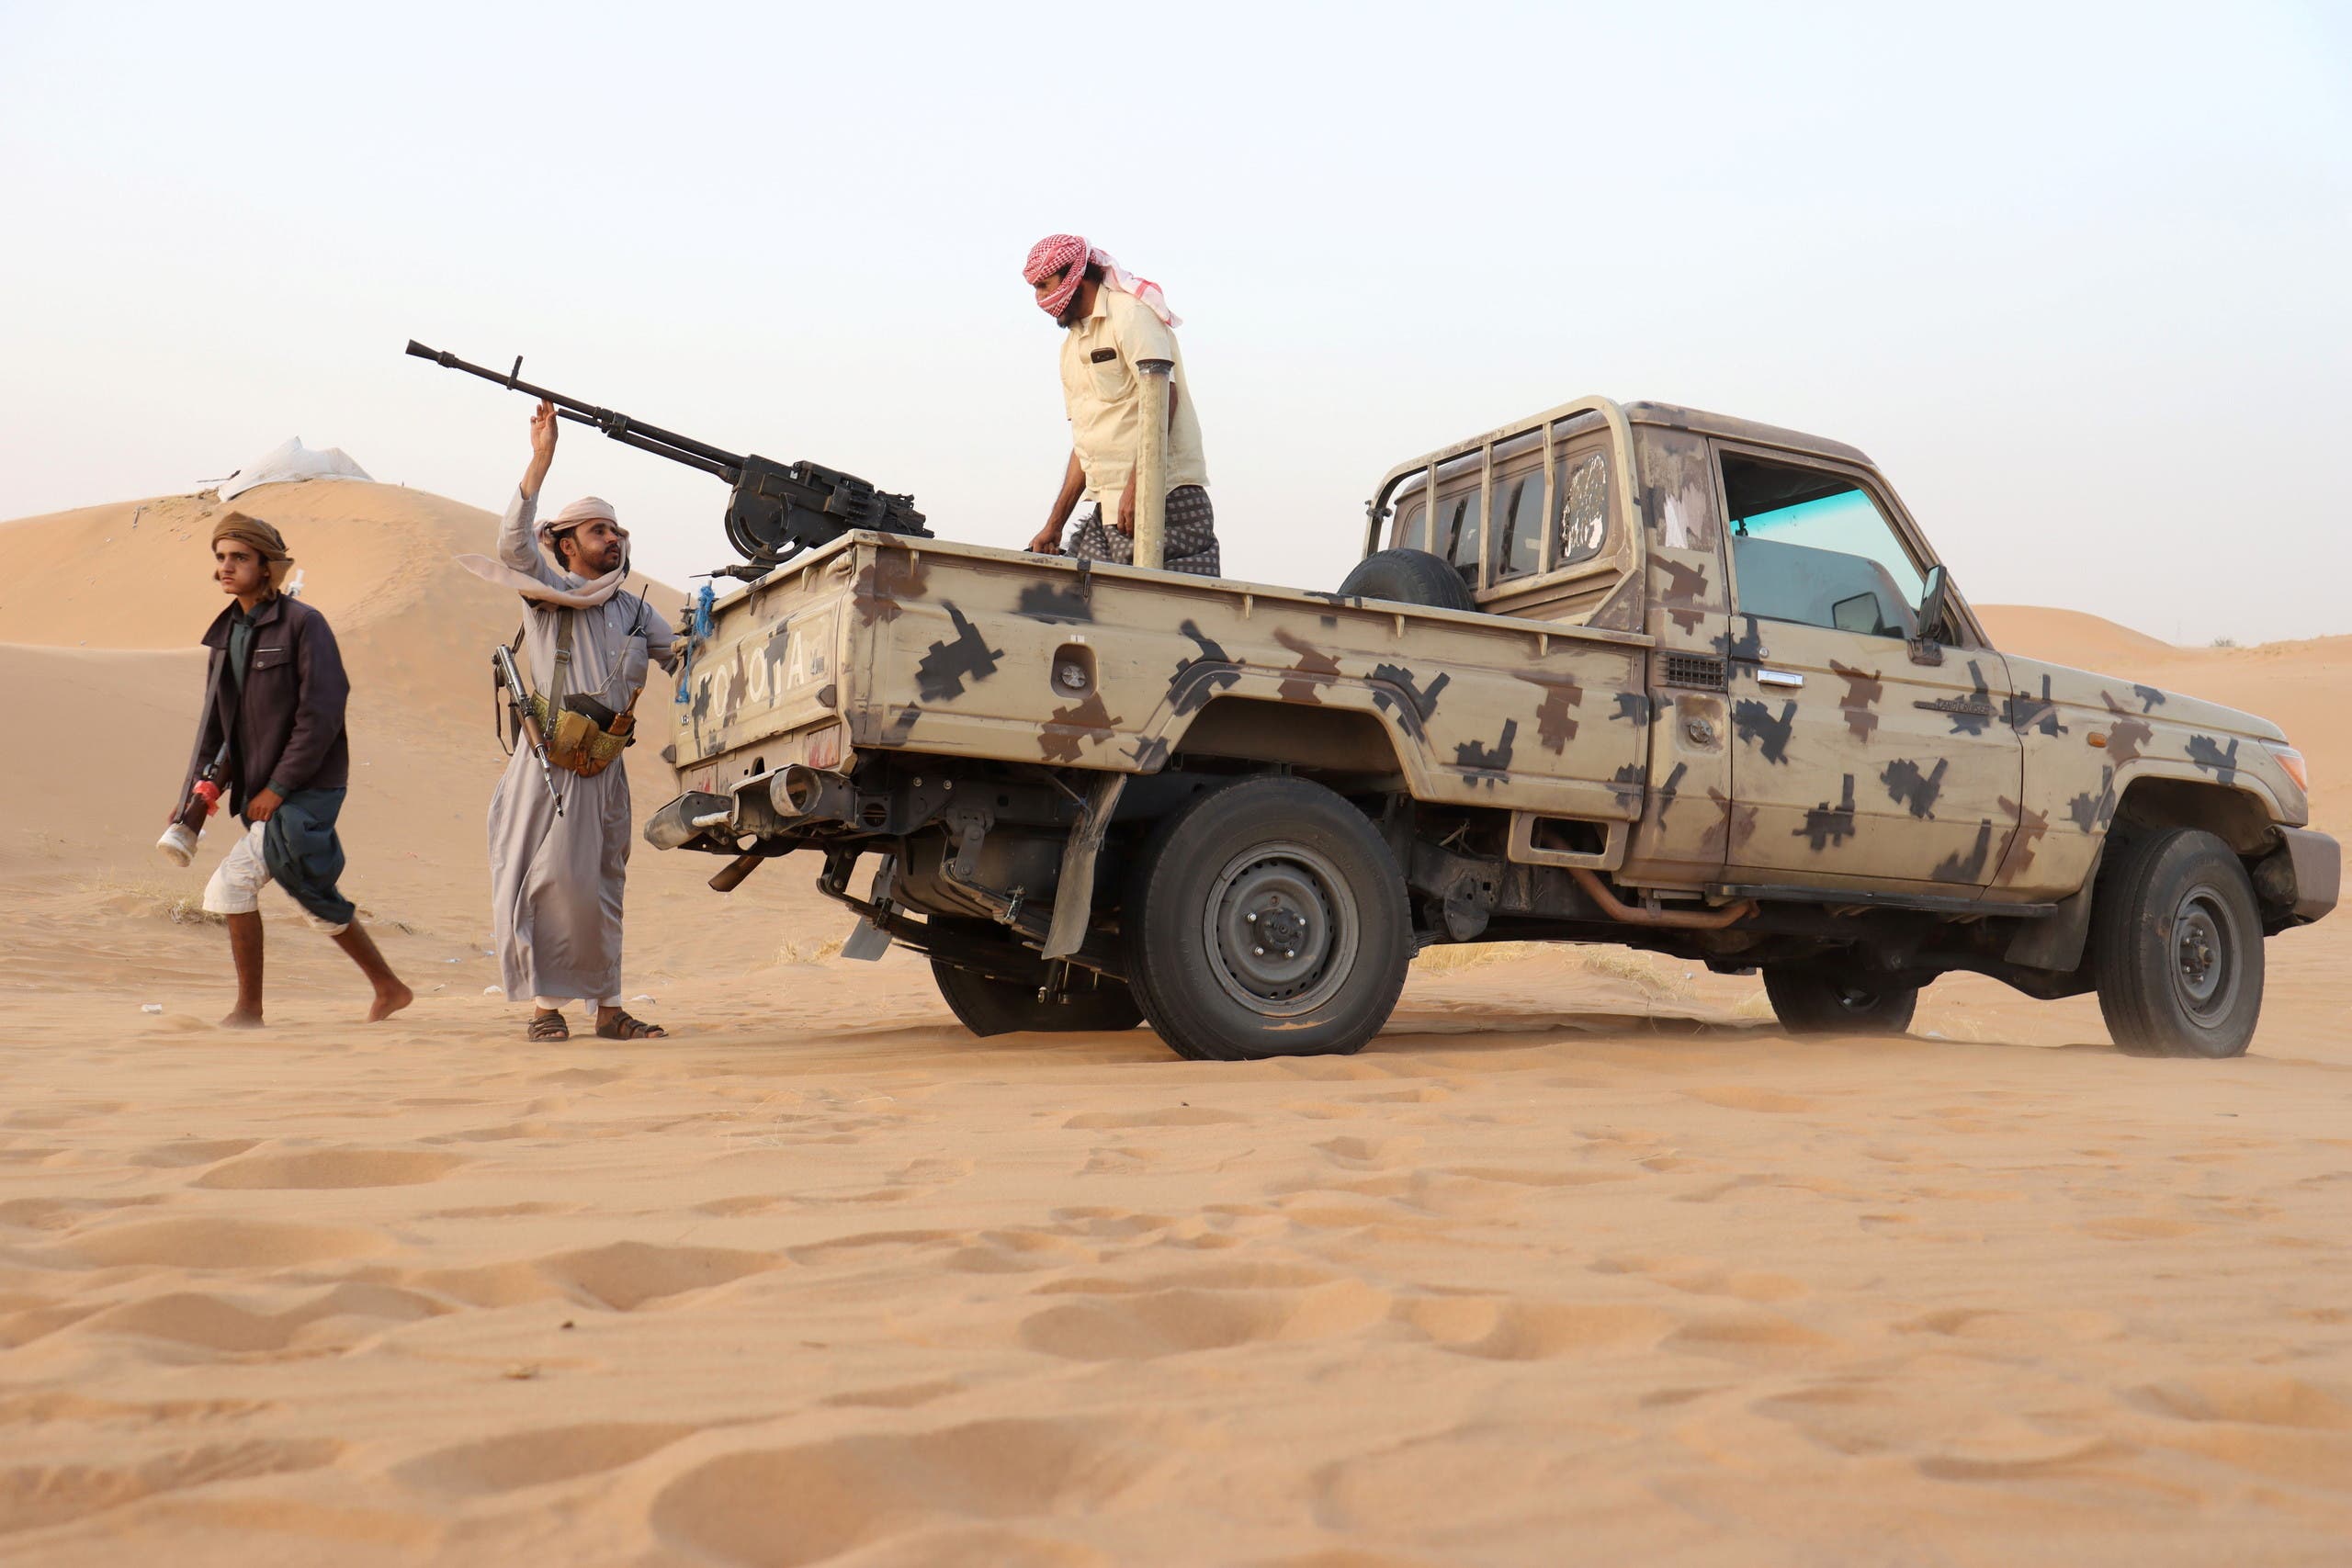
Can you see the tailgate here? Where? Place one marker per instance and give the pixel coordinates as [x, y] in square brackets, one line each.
[766, 689]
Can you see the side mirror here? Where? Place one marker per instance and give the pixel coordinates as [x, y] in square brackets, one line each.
[1927, 643]
[1932, 605]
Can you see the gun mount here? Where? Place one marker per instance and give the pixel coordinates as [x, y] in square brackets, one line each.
[778, 510]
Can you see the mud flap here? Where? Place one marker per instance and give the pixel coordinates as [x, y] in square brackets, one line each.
[1074, 889]
[866, 941]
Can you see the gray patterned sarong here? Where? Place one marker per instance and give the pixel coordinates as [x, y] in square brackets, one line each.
[1188, 538]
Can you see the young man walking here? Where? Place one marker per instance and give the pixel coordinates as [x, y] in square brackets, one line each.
[557, 881]
[275, 692]
[1112, 321]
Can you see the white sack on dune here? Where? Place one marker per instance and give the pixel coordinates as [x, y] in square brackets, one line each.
[292, 460]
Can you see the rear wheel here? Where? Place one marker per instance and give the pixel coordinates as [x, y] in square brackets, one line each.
[2177, 946]
[1267, 918]
[1002, 1000]
[1809, 1001]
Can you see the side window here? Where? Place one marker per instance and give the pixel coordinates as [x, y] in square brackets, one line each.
[1457, 533]
[1519, 523]
[1412, 525]
[1811, 546]
[1583, 489]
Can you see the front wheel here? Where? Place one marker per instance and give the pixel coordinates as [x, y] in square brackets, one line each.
[1267, 918]
[1810, 1000]
[1003, 999]
[2177, 946]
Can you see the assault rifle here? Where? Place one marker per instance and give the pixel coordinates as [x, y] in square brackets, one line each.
[778, 510]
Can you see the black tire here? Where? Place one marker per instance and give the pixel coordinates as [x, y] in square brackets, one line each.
[1815, 1000]
[2176, 946]
[1308, 864]
[1004, 1001]
[1409, 577]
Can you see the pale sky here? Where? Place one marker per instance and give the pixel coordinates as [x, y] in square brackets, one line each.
[2078, 277]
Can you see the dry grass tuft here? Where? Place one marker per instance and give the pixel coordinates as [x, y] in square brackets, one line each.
[793, 952]
[1645, 972]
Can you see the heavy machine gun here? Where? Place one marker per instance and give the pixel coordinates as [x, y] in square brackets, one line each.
[777, 509]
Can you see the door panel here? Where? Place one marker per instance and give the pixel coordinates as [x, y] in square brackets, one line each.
[1857, 762]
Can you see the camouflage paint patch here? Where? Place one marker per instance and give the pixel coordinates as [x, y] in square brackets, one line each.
[1747, 647]
[1753, 721]
[1684, 593]
[1555, 726]
[901, 725]
[2128, 734]
[1914, 790]
[1865, 689]
[1150, 754]
[1198, 679]
[2029, 712]
[2016, 857]
[1670, 791]
[1054, 602]
[1976, 716]
[2091, 812]
[1826, 825]
[895, 574]
[2150, 698]
[1627, 784]
[1422, 702]
[940, 677]
[1969, 868]
[1633, 708]
[2206, 755]
[1067, 730]
[1477, 755]
[1732, 827]
[1314, 671]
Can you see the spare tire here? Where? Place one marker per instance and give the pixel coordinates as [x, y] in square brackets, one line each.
[1409, 577]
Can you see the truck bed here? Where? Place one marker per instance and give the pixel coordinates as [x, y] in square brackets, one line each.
[878, 643]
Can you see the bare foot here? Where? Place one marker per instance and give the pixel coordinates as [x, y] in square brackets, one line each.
[240, 1019]
[390, 1000]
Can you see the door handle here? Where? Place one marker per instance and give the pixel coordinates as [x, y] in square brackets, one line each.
[1777, 678]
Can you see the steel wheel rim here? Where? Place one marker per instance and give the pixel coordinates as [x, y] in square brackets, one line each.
[2202, 959]
[1853, 998]
[1281, 929]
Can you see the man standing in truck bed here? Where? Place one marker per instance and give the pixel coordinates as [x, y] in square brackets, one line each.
[1113, 320]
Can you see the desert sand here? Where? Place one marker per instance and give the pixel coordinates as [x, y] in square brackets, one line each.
[1581, 1261]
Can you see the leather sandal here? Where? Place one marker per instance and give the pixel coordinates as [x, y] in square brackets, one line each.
[549, 1026]
[621, 1026]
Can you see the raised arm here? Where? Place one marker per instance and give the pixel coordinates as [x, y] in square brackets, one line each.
[518, 534]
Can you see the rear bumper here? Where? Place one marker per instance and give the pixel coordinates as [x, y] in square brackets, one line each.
[2302, 878]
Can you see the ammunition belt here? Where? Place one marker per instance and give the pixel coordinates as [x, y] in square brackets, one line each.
[591, 754]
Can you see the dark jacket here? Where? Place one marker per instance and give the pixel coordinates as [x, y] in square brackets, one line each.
[286, 730]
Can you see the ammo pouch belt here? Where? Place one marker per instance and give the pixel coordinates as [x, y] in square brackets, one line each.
[583, 734]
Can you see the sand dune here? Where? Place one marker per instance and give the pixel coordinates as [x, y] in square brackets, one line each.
[1580, 1262]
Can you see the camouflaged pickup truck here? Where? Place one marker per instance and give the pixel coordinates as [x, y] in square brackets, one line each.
[1630, 674]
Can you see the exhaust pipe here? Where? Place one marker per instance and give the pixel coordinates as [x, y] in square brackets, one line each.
[801, 793]
[1623, 913]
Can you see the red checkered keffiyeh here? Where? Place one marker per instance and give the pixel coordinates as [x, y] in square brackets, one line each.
[1070, 254]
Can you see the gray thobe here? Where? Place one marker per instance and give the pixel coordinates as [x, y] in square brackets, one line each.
[555, 883]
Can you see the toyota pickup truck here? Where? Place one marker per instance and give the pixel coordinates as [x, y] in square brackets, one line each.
[1614, 673]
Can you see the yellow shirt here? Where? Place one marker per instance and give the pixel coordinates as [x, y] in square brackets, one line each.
[1105, 401]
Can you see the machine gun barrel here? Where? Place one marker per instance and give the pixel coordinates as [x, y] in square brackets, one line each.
[776, 510]
[728, 465]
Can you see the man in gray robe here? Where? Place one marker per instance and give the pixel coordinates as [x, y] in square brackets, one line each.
[556, 882]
